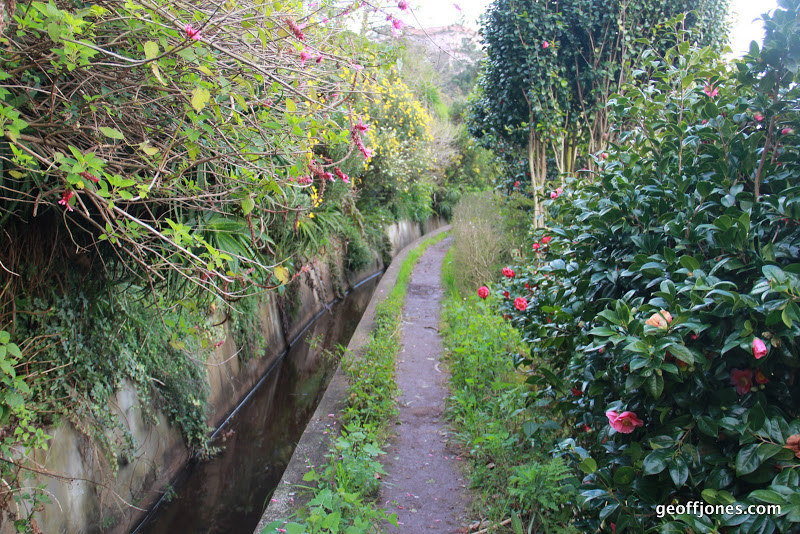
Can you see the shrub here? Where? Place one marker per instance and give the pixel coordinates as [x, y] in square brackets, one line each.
[656, 285]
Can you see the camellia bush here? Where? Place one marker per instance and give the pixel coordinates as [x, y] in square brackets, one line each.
[661, 303]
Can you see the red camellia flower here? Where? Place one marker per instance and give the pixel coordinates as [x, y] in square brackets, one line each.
[483, 292]
[603, 156]
[536, 247]
[742, 379]
[516, 184]
[586, 428]
[508, 273]
[787, 131]
[760, 377]
[521, 303]
[759, 349]
[577, 392]
[758, 116]
[506, 294]
[625, 422]
[546, 239]
[545, 45]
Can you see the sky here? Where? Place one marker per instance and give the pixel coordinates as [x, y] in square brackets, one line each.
[443, 12]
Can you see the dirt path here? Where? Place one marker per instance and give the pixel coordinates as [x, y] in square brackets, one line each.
[424, 485]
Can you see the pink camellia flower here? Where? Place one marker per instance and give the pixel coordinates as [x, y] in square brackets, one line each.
[604, 156]
[660, 320]
[553, 195]
[710, 90]
[545, 45]
[559, 191]
[758, 116]
[625, 422]
[742, 379]
[305, 55]
[483, 292]
[521, 303]
[516, 184]
[759, 349]
[191, 33]
[787, 131]
[65, 198]
[506, 294]
[546, 239]
[403, 5]
[536, 247]
[508, 273]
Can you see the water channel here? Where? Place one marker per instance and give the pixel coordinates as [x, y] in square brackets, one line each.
[228, 493]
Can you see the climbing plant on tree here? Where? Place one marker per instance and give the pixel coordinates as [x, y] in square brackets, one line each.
[552, 65]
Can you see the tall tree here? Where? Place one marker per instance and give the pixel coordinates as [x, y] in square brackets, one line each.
[552, 65]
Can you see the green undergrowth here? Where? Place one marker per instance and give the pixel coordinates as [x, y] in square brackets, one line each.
[505, 438]
[346, 486]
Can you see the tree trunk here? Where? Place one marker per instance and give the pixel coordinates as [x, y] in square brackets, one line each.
[537, 164]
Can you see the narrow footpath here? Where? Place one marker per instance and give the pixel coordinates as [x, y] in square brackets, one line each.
[424, 484]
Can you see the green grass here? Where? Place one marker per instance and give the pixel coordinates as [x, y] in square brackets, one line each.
[346, 486]
[506, 440]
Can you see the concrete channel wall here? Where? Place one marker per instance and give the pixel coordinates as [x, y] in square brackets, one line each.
[91, 496]
[314, 445]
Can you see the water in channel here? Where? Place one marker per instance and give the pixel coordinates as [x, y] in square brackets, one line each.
[228, 493]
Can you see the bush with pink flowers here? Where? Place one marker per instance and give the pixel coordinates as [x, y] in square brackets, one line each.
[663, 314]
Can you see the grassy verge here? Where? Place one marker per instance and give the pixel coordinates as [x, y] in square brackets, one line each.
[346, 486]
[519, 487]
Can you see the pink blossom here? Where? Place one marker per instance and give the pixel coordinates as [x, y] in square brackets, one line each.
[759, 349]
[625, 422]
[191, 33]
[787, 131]
[397, 25]
[65, 198]
[758, 116]
[329, 176]
[710, 90]
[521, 303]
[516, 184]
[742, 379]
[403, 5]
[305, 55]
[457, 7]
[342, 176]
[360, 126]
[357, 66]
[536, 247]
[559, 191]
[545, 45]
[483, 292]
[296, 30]
[89, 176]
[553, 195]
[508, 273]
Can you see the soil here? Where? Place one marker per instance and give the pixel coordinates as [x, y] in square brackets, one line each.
[424, 485]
